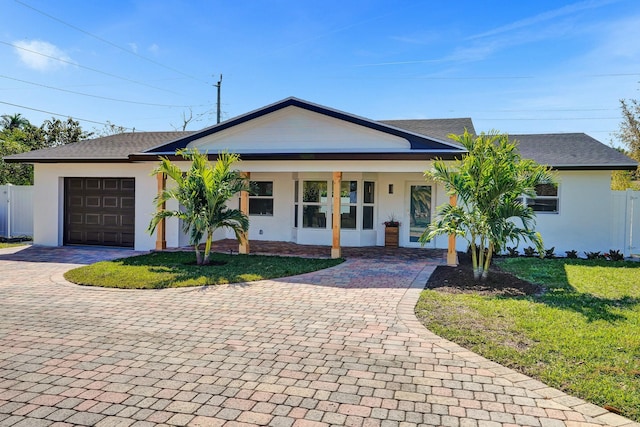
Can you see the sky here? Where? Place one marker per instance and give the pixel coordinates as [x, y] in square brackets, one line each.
[541, 66]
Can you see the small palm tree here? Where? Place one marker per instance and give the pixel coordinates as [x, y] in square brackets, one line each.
[203, 191]
[489, 181]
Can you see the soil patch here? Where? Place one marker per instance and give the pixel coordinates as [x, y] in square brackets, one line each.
[457, 280]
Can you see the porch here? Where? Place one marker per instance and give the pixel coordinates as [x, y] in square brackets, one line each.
[264, 247]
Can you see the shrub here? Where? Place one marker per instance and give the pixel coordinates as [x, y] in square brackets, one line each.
[550, 253]
[614, 255]
[594, 255]
[573, 254]
[530, 251]
[512, 252]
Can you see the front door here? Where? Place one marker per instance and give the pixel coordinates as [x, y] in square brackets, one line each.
[419, 216]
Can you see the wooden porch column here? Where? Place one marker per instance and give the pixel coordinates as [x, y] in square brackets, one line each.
[336, 250]
[244, 207]
[452, 256]
[161, 236]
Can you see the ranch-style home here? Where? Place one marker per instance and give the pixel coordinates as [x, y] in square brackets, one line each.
[323, 177]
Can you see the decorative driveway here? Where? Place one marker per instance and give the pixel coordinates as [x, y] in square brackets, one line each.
[336, 347]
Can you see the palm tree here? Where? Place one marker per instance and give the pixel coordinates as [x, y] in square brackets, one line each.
[15, 121]
[203, 191]
[489, 182]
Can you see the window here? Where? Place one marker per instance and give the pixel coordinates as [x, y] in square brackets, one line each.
[367, 205]
[295, 204]
[314, 204]
[261, 198]
[348, 204]
[546, 199]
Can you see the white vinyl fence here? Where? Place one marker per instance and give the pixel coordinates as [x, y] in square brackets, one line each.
[16, 210]
[626, 221]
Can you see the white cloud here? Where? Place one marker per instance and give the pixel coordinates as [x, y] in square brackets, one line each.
[154, 48]
[133, 47]
[40, 55]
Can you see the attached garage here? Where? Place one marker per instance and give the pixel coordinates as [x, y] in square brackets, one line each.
[99, 211]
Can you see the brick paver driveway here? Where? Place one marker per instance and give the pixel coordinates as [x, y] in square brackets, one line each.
[336, 347]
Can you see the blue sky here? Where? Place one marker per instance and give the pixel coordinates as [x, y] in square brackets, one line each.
[518, 67]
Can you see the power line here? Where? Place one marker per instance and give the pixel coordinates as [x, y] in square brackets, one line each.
[109, 42]
[62, 115]
[87, 68]
[546, 119]
[98, 96]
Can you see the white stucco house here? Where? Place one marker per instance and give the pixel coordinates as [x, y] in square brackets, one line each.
[310, 162]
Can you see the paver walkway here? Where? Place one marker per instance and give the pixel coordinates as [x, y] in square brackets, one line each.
[335, 347]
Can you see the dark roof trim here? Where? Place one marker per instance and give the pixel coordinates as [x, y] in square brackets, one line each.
[66, 160]
[415, 140]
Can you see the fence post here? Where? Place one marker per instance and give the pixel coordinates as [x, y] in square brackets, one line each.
[9, 210]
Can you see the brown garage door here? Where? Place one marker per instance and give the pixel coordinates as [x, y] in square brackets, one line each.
[99, 211]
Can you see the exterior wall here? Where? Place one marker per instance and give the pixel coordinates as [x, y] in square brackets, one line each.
[584, 223]
[585, 218]
[49, 198]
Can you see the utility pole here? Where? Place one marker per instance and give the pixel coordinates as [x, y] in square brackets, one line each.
[219, 85]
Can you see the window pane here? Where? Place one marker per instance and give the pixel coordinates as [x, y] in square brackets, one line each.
[348, 217]
[262, 188]
[260, 206]
[367, 217]
[314, 217]
[546, 190]
[349, 191]
[314, 191]
[369, 188]
[543, 205]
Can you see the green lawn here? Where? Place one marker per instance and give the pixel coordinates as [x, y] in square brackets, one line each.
[9, 245]
[582, 335]
[177, 269]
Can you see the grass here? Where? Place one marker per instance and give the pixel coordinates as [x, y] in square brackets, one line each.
[582, 335]
[177, 269]
[10, 245]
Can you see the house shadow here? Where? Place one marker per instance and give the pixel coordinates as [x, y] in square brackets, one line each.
[563, 295]
[83, 255]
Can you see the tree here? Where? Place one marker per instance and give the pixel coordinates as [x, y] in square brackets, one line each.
[109, 129]
[18, 135]
[629, 135]
[489, 182]
[15, 121]
[203, 192]
[57, 132]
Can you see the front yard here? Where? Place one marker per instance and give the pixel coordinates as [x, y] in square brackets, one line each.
[580, 332]
[177, 269]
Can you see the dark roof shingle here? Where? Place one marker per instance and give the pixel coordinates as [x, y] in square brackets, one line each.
[112, 147]
[435, 128]
[570, 150]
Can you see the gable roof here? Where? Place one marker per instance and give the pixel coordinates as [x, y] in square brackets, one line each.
[572, 151]
[428, 139]
[418, 141]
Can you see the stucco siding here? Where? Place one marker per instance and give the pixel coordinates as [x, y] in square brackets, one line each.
[49, 198]
[585, 218]
[295, 130]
